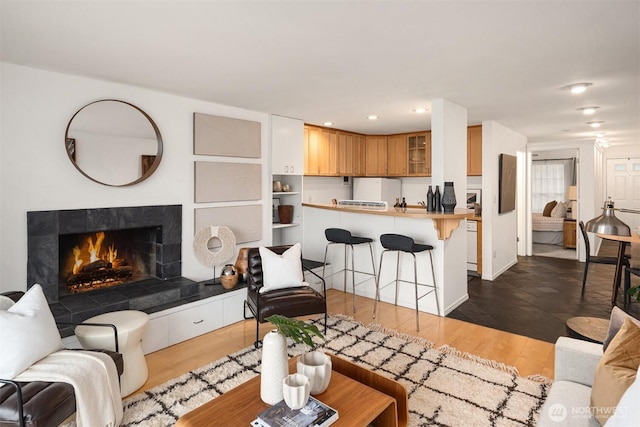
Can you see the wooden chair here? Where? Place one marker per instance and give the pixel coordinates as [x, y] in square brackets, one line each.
[610, 260]
[290, 302]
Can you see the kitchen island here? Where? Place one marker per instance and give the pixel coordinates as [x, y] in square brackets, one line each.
[440, 230]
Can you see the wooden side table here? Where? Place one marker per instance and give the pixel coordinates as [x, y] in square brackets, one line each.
[588, 328]
[569, 233]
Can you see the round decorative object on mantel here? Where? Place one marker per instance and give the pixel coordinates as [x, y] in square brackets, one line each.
[228, 276]
[274, 367]
[201, 245]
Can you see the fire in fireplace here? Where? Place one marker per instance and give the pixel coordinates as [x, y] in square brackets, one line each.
[90, 261]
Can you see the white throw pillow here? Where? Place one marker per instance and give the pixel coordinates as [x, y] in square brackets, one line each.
[281, 271]
[29, 333]
[627, 411]
[560, 211]
[5, 303]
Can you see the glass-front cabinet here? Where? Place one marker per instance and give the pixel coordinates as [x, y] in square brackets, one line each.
[419, 147]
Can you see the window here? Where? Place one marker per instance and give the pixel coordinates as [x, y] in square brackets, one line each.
[549, 181]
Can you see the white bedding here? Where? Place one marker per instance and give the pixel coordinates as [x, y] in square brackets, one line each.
[546, 223]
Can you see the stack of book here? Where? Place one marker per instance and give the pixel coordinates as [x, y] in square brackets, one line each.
[313, 414]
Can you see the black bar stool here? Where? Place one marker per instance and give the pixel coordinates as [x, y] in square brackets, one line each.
[339, 236]
[399, 243]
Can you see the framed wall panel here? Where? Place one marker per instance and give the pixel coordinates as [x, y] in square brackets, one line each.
[227, 182]
[507, 183]
[244, 221]
[223, 136]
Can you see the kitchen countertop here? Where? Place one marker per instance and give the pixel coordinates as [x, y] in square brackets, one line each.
[444, 223]
[391, 211]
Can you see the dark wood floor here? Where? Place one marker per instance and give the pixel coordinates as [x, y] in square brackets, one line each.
[535, 297]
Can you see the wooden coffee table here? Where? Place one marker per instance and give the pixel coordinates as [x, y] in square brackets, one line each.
[357, 403]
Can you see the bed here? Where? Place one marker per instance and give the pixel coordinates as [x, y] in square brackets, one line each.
[547, 229]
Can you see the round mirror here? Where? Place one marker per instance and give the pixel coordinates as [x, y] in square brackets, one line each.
[113, 143]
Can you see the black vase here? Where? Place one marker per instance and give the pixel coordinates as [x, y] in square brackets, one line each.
[431, 201]
[448, 198]
[437, 200]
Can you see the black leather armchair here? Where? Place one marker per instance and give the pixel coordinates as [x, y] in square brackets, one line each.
[290, 302]
[39, 403]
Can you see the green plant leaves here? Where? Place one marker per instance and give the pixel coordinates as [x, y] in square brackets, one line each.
[297, 330]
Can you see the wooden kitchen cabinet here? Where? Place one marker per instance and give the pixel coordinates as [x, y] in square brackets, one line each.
[345, 153]
[397, 155]
[419, 154]
[474, 150]
[321, 152]
[328, 153]
[376, 156]
[311, 149]
[359, 155]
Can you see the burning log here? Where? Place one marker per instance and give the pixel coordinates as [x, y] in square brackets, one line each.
[95, 266]
[92, 275]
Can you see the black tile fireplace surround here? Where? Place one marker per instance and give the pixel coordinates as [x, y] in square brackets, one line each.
[150, 294]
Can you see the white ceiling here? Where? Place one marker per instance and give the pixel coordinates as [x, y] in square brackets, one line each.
[340, 61]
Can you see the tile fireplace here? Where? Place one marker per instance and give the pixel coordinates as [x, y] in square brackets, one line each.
[91, 261]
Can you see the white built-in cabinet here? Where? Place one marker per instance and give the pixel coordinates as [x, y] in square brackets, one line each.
[177, 324]
[287, 149]
[287, 166]
[169, 327]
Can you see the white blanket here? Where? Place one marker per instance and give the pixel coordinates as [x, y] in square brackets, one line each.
[94, 378]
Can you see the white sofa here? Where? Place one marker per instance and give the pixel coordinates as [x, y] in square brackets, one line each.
[568, 400]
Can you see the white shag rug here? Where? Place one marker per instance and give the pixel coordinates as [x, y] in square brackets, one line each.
[445, 387]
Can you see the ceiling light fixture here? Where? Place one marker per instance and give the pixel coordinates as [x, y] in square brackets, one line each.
[577, 87]
[595, 124]
[588, 110]
[328, 123]
[372, 117]
[420, 110]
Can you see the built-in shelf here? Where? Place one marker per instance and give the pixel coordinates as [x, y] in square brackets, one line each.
[284, 193]
[276, 225]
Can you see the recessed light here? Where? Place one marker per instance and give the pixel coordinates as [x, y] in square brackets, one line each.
[420, 110]
[372, 117]
[577, 87]
[588, 110]
[328, 123]
[596, 124]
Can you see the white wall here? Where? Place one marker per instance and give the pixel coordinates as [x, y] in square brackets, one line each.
[319, 189]
[499, 242]
[36, 174]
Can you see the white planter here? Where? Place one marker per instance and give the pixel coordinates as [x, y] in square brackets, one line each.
[274, 367]
[295, 388]
[317, 367]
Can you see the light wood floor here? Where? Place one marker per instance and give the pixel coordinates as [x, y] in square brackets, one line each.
[530, 356]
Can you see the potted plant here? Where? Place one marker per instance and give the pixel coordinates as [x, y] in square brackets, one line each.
[295, 329]
[274, 366]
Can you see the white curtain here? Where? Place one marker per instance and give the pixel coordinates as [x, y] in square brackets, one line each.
[549, 181]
